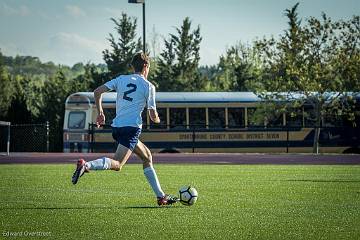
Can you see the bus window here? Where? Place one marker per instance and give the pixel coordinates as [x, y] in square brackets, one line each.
[110, 114]
[197, 117]
[162, 116]
[251, 117]
[76, 120]
[216, 117]
[275, 121]
[177, 118]
[309, 116]
[236, 117]
[333, 120]
[294, 118]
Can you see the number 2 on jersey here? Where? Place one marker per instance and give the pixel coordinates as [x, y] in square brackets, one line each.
[131, 90]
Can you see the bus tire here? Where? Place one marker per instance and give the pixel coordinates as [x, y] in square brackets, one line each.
[169, 150]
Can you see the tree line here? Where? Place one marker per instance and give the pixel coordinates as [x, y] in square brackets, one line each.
[311, 56]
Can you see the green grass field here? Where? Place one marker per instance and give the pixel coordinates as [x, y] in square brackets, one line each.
[235, 202]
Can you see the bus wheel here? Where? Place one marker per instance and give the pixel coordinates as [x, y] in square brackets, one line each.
[169, 150]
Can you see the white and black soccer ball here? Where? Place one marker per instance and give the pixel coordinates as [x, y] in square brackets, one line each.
[188, 195]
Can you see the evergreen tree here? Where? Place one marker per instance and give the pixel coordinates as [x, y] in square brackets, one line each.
[123, 48]
[164, 74]
[179, 62]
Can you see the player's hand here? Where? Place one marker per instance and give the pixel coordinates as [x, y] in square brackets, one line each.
[157, 120]
[100, 120]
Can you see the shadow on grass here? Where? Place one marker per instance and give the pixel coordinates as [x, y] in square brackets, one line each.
[85, 207]
[322, 180]
[52, 208]
[142, 207]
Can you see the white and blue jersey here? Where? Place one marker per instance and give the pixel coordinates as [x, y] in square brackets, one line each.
[134, 92]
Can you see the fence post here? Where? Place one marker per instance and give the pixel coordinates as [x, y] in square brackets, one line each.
[287, 139]
[193, 139]
[91, 138]
[8, 140]
[47, 136]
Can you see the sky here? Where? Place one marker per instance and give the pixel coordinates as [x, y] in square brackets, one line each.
[71, 31]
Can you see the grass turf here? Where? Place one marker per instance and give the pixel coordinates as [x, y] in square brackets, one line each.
[235, 202]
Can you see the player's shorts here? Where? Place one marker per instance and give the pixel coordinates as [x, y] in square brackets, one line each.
[126, 136]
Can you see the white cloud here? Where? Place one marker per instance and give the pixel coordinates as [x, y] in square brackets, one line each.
[22, 10]
[70, 48]
[75, 11]
[72, 39]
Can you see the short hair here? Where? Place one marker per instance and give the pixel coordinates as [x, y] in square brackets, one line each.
[139, 60]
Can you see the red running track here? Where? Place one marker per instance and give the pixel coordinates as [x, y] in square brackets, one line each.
[190, 158]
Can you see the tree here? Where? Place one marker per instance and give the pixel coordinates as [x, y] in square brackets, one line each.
[307, 63]
[178, 63]
[55, 91]
[85, 81]
[164, 74]
[238, 69]
[35, 92]
[347, 59]
[6, 89]
[31, 92]
[118, 59]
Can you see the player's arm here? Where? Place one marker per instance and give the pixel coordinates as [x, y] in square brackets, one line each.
[151, 104]
[100, 119]
[154, 116]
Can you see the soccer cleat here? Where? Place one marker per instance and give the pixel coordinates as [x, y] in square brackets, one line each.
[79, 171]
[167, 200]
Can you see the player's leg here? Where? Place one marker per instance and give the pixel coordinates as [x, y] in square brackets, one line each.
[82, 167]
[121, 156]
[145, 155]
[126, 137]
[103, 163]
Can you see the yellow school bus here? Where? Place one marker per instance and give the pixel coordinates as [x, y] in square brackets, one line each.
[203, 122]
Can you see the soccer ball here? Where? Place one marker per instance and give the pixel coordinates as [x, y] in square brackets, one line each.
[188, 195]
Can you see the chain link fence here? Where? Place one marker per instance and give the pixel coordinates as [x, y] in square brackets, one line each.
[41, 138]
[25, 137]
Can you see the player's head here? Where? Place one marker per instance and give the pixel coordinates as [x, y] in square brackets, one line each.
[139, 61]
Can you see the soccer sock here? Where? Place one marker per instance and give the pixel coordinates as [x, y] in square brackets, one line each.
[99, 164]
[151, 176]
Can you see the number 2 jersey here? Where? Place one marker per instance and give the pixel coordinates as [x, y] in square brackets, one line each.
[134, 92]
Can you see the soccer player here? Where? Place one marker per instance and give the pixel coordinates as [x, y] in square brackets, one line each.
[133, 93]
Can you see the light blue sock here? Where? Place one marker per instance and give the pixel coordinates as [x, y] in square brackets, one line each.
[151, 176]
[99, 164]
